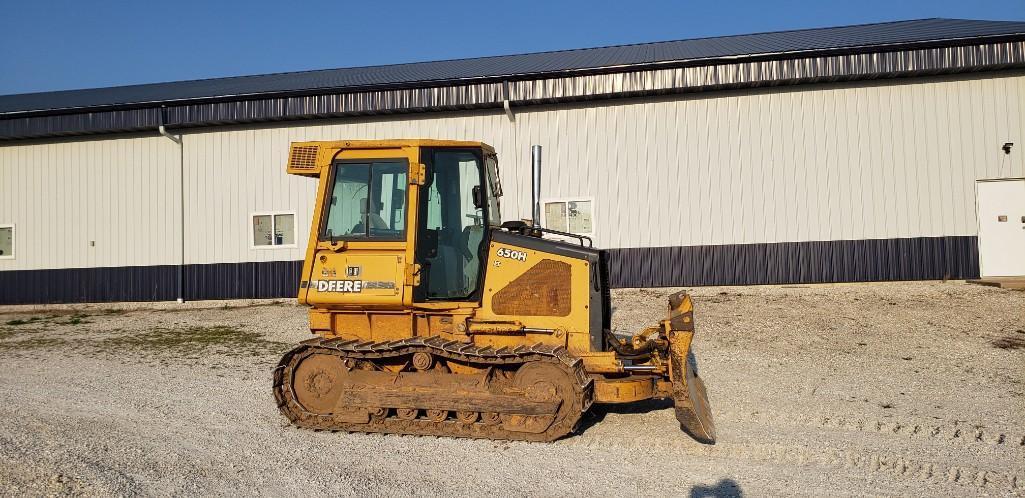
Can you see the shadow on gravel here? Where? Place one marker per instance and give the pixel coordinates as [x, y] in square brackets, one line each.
[723, 488]
[597, 412]
[1010, 342]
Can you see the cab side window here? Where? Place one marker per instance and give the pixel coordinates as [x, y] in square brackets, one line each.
[367, 201]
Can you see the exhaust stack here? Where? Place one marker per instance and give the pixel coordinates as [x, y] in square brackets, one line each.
[535, 191]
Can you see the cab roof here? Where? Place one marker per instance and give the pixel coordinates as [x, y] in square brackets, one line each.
[394, 143]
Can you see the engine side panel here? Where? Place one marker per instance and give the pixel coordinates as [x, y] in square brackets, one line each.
[544, 283]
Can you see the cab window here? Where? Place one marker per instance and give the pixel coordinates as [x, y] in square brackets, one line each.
[367, 201]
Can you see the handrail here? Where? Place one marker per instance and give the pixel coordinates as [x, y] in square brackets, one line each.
[582, 238]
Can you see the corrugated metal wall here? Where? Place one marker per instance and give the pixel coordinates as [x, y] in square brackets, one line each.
[865, 161]
[121, 194]
[877, 160]
[229, 176]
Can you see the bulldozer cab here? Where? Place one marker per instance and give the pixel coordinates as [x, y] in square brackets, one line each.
[399, 222]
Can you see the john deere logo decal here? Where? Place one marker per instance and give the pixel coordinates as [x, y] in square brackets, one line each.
[349, 285]
[337, 285]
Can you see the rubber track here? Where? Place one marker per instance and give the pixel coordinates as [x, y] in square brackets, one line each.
[451, 350]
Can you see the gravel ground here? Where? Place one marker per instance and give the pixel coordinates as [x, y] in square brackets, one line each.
[853, 389]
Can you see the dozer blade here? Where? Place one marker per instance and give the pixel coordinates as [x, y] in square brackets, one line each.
[693, 411]
[689, 395]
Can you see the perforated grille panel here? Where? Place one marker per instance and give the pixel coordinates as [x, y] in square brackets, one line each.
[303, 157]
[543, 290]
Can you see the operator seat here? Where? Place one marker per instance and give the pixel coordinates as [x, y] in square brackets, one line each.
[375, 220]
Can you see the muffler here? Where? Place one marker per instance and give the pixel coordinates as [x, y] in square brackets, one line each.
[535, 186]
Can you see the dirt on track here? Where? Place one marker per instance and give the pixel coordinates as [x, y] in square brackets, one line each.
[853, 389]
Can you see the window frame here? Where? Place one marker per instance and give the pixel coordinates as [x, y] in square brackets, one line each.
[273, 225]
[567, 200]
[14, 240]
[493, 187]
[325, 209]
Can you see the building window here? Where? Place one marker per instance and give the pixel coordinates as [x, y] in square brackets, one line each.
[273, 230]
[6, 241]
[569, 215]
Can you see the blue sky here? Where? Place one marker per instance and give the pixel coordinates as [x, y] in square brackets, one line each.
[47, 45]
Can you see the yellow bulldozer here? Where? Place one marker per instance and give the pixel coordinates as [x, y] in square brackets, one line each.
[434, 317]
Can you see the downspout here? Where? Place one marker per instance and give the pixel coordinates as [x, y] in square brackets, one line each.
[505, 101]
[173, 138]
[181, 204]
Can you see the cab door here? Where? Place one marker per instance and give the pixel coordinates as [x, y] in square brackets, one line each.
[363, 237]
[453, 232]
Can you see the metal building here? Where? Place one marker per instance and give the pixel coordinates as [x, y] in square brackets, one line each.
[823, 155]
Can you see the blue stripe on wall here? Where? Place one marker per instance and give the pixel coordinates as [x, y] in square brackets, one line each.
[919, 258]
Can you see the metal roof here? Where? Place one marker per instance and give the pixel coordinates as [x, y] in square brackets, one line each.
[860, 38]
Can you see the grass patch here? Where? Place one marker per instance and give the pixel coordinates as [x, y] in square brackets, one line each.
[31, 344]
[209, 346]
[30, 320]
[195, 342]
[75, 319]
